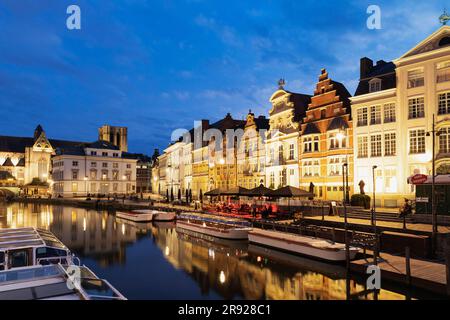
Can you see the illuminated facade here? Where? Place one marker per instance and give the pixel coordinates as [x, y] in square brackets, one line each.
[326, 140]
[282, 143]
[251, 155]
[393, 111]
[93, 168]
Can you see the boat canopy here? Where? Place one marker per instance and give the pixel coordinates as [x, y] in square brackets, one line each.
[28, 237]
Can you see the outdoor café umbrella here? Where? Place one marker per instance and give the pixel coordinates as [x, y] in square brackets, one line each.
[235, 191]
[290, 192]
[260, 191]
[213, 193]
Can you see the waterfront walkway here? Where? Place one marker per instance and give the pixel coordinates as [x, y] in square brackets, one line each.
[396, 225]
[423, 274]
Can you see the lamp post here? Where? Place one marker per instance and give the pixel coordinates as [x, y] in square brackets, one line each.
[373, 216]
[85, 185]
[433, 133]
[341, 136]
[347, 247]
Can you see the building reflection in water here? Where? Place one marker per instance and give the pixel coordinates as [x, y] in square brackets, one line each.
[236, 270]
[86, 233]
[231, 269]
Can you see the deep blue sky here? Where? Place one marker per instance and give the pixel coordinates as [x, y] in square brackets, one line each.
[155, 65]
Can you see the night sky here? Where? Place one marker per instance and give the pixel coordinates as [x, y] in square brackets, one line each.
[155, 66]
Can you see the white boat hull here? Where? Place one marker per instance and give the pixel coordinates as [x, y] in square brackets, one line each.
[136, 217]
[299, 245]
[164, 216]
[232, 234]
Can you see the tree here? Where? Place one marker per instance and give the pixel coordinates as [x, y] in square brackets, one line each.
[186, 195]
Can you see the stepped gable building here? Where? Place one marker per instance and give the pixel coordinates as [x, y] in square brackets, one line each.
[326, 141]
[282, 153]
[28, 159]
[393, 109]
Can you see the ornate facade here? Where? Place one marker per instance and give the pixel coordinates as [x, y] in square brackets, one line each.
[282, 148]
[326, 140]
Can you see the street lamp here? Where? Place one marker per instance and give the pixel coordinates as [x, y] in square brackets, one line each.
[85, 185]
[374, 203]
[341, 136]
[434, 134]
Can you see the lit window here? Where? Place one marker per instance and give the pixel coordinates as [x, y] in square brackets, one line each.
[415, 78]
[389, 113]
[311, 144]
[444, 103]
[375, 146]
[417, 141]
[362, 117]
[363, 147]
[416, 107]
[443, 72]
[390, 144]
[375, 115]
[444, 140]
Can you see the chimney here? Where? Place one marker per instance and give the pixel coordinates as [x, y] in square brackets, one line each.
[381, 62]
[365, 66]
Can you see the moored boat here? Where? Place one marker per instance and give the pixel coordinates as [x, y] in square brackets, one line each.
[34, 264]
[215, 228]
[164, 216]
[304, 245]
[137, 215]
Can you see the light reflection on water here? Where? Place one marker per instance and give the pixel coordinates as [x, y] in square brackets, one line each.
[154, 261]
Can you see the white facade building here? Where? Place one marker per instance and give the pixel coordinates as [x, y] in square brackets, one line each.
[95, 168]
[393, 111]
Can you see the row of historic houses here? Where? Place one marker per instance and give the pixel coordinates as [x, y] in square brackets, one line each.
[382, 135]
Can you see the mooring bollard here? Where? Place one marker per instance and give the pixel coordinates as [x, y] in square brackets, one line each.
[447, 263]
[408, 265]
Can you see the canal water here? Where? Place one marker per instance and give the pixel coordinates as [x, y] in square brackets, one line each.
[154, 261]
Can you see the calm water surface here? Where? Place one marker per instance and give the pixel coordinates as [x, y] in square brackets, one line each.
[154, 261]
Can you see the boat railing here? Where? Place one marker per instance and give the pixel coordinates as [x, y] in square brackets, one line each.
[99, 287]
[56, 260]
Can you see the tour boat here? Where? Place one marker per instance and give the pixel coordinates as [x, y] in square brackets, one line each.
[34, 264]
[219, 229]
[304, 245]
[137, 215]
[164, 216]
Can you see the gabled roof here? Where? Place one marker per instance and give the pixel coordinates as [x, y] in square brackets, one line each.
[311, 128]
[427, 44]
[337, 123]
[100, 144]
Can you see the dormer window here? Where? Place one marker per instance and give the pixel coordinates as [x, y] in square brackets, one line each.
[375, 85]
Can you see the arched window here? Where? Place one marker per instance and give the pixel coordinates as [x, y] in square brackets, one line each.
[444, 42]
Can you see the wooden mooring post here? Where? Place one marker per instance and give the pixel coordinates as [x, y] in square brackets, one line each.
[447, 263]
[408, 265]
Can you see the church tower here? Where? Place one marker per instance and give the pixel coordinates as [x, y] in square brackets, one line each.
[118, 136]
